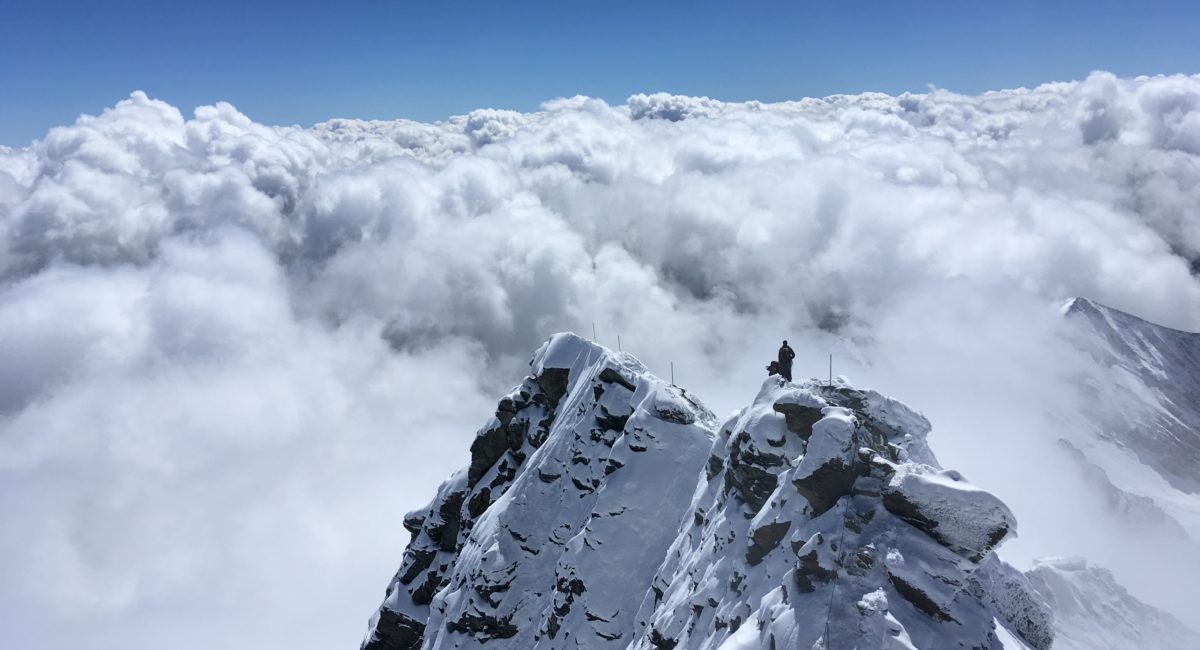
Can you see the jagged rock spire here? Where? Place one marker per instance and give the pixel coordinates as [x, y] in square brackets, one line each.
[603, 508]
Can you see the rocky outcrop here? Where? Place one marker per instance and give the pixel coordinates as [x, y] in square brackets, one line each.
[838, 531]
[602, 508]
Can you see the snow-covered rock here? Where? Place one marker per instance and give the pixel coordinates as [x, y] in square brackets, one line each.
[603, 508]
[828, 560]
[554, 530]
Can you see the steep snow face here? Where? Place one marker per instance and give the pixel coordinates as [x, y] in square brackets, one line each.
[1147, 412]
[1093, 612]
[603, 508]
[551, 535]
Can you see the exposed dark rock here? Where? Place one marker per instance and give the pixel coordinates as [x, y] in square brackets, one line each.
[660, 642]
[613, 377]
[612, 465]
[487, 590]
[570, 586]
[764, 539]
[414, 521]
[395, 631]
[505, 411]
[483, 627]
[416, 561]
[553, 382]
[810, 572]
[506, 473]
[539, 435]
[672, 413]
[609, 422]
[828, 483]
[918, 598]
[479, 502]
[444, 533]
[486, 449]
[425, 591]
[747, 472]
[798, 418]
[713, 468]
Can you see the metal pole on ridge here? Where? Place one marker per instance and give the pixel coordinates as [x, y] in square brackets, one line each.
[594, 333]
[831, 371]
[672, 373]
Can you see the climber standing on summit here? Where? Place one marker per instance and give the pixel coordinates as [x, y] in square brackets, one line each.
[786, 354]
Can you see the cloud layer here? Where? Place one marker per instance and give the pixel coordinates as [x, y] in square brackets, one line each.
[234, 354]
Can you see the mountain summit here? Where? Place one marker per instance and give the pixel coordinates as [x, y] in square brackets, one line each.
[604, 508]
[1151, 405]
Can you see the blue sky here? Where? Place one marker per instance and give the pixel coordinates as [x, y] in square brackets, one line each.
[301, 62]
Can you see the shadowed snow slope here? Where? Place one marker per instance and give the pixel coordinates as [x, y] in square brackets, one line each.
[603, 508]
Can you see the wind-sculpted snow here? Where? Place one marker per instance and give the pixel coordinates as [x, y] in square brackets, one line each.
[602, 510]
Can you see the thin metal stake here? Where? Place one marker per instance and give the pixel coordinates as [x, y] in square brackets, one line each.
[594, 332]
[831, 371]
[619, 343]
[672, 373]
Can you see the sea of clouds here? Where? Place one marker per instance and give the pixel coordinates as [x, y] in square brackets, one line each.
[232, 355]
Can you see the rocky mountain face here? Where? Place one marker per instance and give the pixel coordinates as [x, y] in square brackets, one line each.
[1145, 416]
[604, 508]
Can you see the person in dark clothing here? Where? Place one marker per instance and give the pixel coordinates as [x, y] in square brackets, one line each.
[772, 368]
[786, 354]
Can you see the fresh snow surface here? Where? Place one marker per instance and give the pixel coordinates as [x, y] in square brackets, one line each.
[1093, 612]
[604, 508]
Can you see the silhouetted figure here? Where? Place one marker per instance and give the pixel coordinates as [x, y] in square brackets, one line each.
[786, 354]
[772, 368]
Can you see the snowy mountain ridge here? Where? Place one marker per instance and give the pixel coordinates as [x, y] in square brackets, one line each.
[1093, 612]
[1145, 418]
[604, 508]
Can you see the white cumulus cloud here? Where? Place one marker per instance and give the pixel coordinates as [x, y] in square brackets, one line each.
[234, 354]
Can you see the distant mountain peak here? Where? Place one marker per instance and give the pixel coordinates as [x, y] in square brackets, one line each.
[1151, 404]
[1088, 308]
[1097, 613]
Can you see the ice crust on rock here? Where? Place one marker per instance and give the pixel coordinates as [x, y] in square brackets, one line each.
[604, 508]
